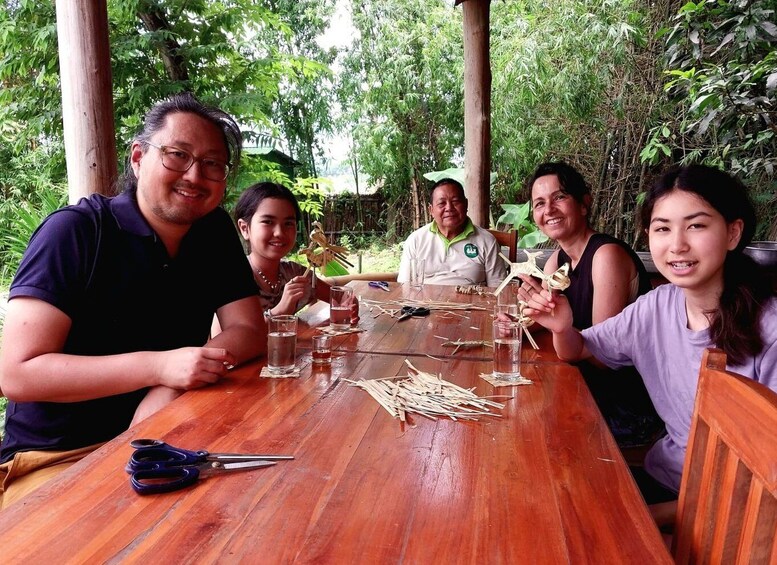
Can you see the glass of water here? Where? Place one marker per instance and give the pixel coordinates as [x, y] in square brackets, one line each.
[417, 273]
[340, 301]
[507, 302]
[282, 344]
[507, 350]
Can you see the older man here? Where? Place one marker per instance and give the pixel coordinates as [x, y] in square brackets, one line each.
[455, 250]
[110, 310]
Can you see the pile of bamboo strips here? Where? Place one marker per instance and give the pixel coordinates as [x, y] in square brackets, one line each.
[393, 307]
[428, 395]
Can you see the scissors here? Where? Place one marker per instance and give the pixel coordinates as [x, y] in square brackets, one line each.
[157, 467]
[412, 311]
[382, 285]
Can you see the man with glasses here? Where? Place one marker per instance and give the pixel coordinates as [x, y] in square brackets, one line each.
[109, 312]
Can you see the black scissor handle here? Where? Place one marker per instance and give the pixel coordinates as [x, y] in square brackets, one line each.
[157, 481]
[412, 311]
[154, 454]
[145, 442]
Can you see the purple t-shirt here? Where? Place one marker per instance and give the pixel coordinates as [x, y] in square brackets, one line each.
[652, 334]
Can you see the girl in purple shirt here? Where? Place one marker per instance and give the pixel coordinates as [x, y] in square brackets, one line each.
[698, 220]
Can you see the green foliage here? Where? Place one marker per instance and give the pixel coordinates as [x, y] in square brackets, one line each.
[19, 221]
[334, 269]
[238, 54]
[30, 96]
[721, 94]
[402, 95]
[311, 193]
[303, 108]
[555, 69]
[577, 80]
[659, 146]
[204, 47]
[573, 81]
[455, 173]
[518, 216]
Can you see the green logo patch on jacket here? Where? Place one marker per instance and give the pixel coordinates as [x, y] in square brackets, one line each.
[471, 250]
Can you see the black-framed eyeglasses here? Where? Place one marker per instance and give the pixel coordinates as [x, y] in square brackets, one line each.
[180, 161]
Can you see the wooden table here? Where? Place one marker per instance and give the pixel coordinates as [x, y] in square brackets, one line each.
[542, 483]
[428, 334]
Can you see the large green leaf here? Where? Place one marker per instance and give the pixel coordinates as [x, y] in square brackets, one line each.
[334, 269]
[454, 173]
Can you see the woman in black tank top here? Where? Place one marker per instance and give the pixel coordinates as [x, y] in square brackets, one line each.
[606, 275]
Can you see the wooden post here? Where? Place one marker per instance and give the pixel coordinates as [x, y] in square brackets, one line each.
[477, 109]
[87, 99]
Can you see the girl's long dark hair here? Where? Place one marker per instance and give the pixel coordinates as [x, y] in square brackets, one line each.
[252, 196]
[734, 327]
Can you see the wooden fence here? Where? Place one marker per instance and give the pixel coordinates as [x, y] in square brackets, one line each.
[341, 215]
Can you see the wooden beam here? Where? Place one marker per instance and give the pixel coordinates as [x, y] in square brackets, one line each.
[87, 99]
[477, 109]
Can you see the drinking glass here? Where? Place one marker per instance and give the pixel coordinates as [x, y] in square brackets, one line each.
[507, 350]
[340, 301]
[322, 349]
[281, 344]
[417, 273]
[507, 302]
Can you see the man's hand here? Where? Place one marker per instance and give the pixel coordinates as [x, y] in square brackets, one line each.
[193, 367]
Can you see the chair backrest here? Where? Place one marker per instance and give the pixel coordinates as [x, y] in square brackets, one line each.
[507, 239]
[727, 510]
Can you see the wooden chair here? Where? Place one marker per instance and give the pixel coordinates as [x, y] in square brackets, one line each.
[727, 510]
[507, 239]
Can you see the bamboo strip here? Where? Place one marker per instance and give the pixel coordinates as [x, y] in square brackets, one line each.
[529, 337]
[428, 395]
[398, 304]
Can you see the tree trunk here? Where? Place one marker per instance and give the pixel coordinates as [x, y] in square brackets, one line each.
[175, 66]
[416, 202]
[477, 109]
[355, 171]
[87, 97]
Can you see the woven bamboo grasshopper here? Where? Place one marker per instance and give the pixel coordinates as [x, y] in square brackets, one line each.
[319, 251]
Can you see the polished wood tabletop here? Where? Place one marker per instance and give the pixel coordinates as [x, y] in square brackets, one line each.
[541, 481]
[384, 334]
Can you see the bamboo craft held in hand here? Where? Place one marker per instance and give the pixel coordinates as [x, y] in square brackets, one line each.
[319, 251]
[524, 322]
[557, 280]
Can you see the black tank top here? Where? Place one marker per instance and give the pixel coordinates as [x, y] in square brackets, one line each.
[581, 289]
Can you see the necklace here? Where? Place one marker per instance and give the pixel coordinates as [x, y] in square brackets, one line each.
[274, 288]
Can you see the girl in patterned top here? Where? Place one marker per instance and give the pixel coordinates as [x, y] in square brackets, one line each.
[267, 215]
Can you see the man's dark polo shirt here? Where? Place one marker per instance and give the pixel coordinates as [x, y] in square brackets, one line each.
[100, 263]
